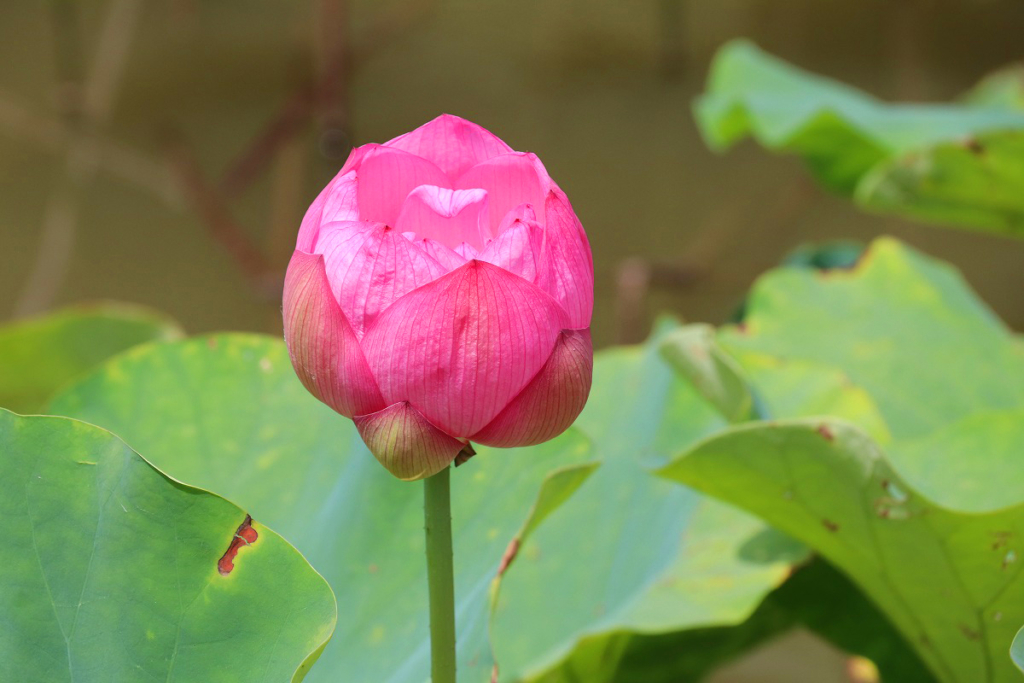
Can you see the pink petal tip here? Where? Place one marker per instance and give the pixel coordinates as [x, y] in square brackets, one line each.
[549, 404]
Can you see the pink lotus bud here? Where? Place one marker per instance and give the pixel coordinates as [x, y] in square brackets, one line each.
[440, 293]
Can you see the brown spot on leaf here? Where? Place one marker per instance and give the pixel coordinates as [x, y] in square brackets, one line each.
[830, 525]
[969, 632]
[494, 674]
[825, 432]
[245, 535]
[510, 554]
[974, 147]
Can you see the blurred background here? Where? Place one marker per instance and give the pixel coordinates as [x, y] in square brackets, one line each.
[163, 152]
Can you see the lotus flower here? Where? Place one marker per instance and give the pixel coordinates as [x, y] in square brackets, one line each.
[440, 293]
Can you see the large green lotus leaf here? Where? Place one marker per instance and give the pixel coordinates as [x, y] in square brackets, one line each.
[816, 597]
[114, 572]
[788, 389]
[39, 355]
[628, 554]
[911, 356]
[228, 413]
[902, 326]
[949, 163]
[950, 580]
[638, 377]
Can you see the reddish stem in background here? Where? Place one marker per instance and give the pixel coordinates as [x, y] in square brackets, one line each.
[214, 212]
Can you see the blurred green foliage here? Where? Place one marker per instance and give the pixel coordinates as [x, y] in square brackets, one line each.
[946, 578]
[946, 163]
[39, 355]
[931, 528]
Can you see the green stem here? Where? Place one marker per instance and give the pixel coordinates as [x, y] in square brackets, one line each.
[440, 576]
